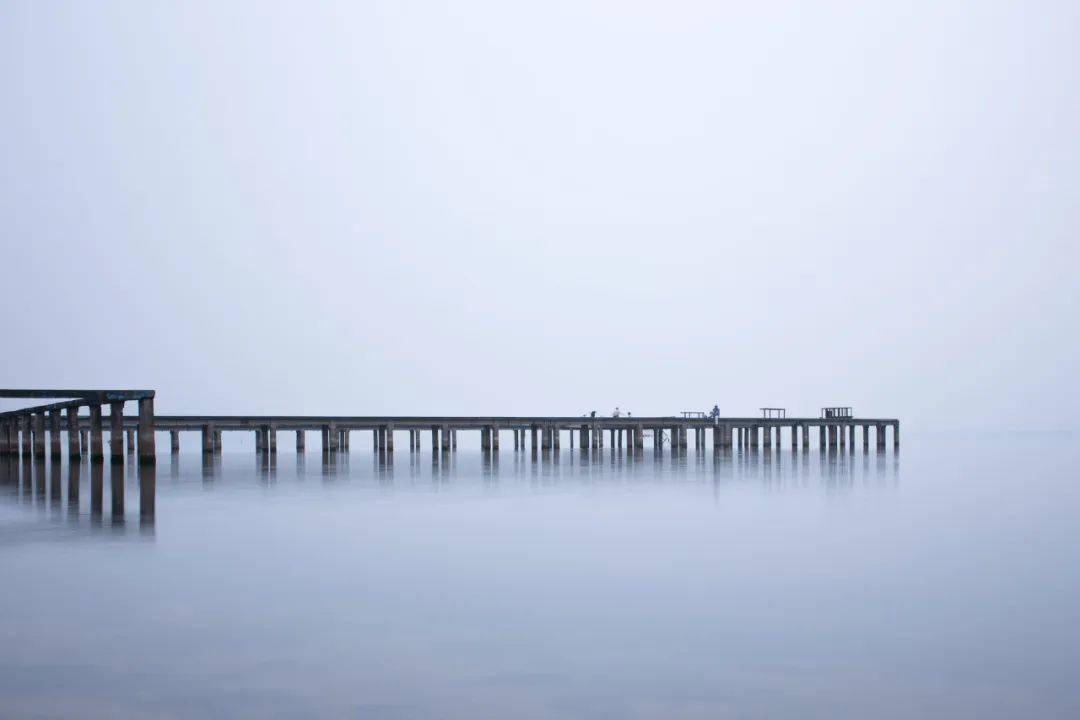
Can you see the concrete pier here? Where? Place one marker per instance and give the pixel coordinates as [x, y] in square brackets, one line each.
[208, 439]
[116, 431]
[97, 445]
[29, 428]
[72, 418]
[147, 448]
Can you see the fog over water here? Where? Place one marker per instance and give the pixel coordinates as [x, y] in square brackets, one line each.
[411, 207]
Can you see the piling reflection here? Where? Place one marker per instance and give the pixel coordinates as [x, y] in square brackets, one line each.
[74, 476]
[116, 493]
[97, 491]
[55, 491]
[147, 496]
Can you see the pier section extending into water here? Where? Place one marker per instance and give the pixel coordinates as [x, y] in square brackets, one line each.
[25, 429]
[84, 432]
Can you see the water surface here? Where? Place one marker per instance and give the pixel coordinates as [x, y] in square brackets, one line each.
[938, 583]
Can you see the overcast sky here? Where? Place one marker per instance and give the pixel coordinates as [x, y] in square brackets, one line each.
[546, 208]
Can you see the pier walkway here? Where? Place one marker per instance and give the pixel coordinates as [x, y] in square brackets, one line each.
[25, 429]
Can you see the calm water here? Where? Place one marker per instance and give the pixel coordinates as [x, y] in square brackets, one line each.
[942, 583]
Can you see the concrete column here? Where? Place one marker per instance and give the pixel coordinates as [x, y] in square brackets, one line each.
[583, 433]
[389, 432]
[896, 435]
[301, 440]
[446, 441]
[332, 437]
[865, 437]
[753, 432]
[27, 436]
[485, 439]
[842, 432]
[84, 442]
[97, 451]
[598, 433]
[130, 433]
[767, 436]
[4, 439]
[272, 436]
[116, 431]
[880, 433]
[821, 433]
[73, 432]
[208, 439]
[495, 438]
[453, 440]
[174, 441]
[217, 441]
[147, 448]
[259, 447]
[54, 433]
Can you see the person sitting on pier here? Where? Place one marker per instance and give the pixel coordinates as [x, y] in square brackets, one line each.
[615, 412]
[715, 412]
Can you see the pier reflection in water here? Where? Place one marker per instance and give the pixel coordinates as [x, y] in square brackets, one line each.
[40, 483]
[763, 583]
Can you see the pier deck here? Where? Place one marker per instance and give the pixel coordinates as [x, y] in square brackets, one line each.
[25, 429]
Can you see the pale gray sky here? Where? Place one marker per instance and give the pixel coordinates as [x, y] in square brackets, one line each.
[493, 207]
